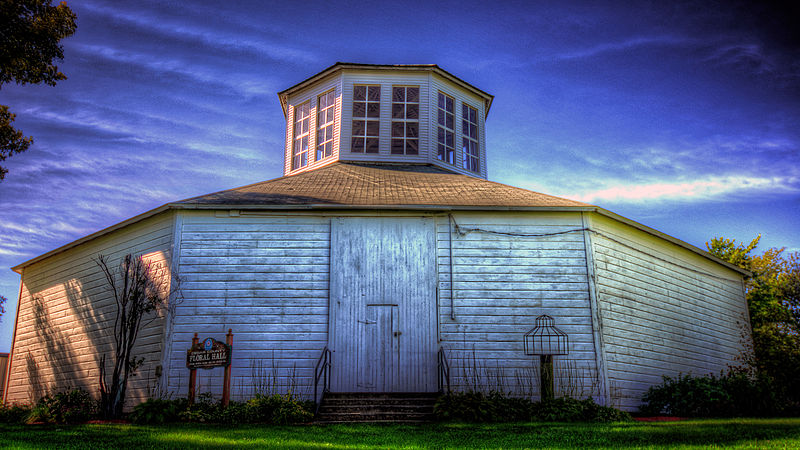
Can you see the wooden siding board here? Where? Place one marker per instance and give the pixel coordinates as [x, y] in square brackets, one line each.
[77, 320]
[501, 284]
[660, 317]
[264, 277]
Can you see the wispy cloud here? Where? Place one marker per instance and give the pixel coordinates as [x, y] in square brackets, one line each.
[216, 38]
[217, 76]
[703, 189]
[628, 44]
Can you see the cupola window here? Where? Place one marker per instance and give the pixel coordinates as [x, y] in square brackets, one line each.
[366, 119]
[446, 133]
[469, 134]
[325, 104]
[300, 146]
[405, 120]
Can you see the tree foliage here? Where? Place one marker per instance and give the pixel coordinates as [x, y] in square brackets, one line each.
[2, 308]
[141, 290]
[773, 297]
[30, 36]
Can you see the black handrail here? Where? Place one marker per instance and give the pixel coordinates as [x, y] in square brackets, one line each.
[324, 371]
[444, 370]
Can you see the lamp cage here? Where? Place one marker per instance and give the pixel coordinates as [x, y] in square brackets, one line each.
[546, 339]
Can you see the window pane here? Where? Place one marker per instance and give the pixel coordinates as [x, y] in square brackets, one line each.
[412, 146]
[412, 111]
[374, 94]
[465, 112]
[359, 93]
[449, 140]
[397, 146]
[441, 136]
[440, 103]
[373, 128]
[412, 94]
[304, 145]
[372, 145]
[304, 159]
[359, 109]
[398, 94]
[357, 145]
[473, 131]
[373, 110]
[473, 115]
[441, 117]
[320, 136]
[329, 132]
[412, 129]
[358, 128]
[329, 149]
[450, 105]
[449, 122]
[397, 129]
[305, 126]
[398, 111]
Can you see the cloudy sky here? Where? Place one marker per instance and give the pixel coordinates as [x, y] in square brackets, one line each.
[681, 117]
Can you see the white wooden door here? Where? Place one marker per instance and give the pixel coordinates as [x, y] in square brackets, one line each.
[383, 304]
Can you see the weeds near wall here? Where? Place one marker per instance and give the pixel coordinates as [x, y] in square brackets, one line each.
[266, 379]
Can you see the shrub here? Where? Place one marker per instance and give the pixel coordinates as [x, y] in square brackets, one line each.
[66, 407]
[14, 413]
[158, 411]
[278, 409]
[736, 393]
[496, 407]
[205, 409]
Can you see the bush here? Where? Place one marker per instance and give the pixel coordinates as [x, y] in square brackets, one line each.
[66, 407]
[14, 413]
[736, 393]
[156, 411]
[278, 409]
[496, 407]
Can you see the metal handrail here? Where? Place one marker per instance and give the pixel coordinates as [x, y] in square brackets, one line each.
[322, 372]
[444, 370]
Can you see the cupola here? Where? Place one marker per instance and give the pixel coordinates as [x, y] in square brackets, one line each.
[394, 114]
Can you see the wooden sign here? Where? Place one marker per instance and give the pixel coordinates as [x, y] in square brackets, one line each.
[207, 354]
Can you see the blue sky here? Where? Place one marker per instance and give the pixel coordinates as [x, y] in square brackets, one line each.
[682, 117]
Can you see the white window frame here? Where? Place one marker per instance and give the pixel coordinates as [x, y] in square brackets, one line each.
[325, 124]
[300, 131]
[445, 152]
[368, 121]
[406, 140]
[470, 147]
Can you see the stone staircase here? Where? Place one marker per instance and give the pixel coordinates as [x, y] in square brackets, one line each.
[341, 407]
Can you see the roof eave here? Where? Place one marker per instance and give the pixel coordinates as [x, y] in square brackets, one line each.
[339, 66]
[18, 268]
[666, 237]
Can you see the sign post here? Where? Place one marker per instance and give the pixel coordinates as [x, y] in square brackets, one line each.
[209, 354]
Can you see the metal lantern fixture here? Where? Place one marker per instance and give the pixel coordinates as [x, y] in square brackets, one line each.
[546, 341]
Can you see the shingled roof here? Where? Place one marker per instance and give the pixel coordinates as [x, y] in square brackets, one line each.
[379, 185]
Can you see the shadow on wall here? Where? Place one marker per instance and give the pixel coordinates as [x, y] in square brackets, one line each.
[58, 355]
[73, 320]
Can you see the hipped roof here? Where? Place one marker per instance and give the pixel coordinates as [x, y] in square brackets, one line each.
[360, 186]
[380, 185]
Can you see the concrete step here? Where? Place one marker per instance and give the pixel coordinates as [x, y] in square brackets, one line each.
[342, 407]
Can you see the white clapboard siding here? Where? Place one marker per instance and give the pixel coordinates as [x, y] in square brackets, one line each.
[664, 310]
[266, 278]
[66, 316]
[501, 284]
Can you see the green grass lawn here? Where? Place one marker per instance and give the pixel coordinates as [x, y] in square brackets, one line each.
[736, 433]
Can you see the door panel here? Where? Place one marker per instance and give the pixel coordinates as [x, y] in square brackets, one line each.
[383, 304]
